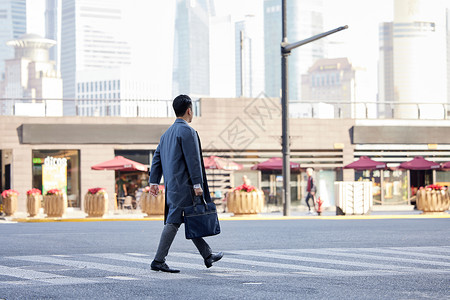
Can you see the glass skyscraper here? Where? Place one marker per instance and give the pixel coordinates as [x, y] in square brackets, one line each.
[304, 19]
[191, 48]
[91, 39]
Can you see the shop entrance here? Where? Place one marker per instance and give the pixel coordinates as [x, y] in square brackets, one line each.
[420, 178]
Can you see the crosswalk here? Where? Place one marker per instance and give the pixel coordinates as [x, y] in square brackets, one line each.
[95, 268]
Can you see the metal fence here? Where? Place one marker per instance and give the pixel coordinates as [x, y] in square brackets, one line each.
[163, 109]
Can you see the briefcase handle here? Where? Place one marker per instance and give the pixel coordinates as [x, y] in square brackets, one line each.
[199, 200]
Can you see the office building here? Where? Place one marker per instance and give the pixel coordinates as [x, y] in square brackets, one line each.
[117, 92]
[92, 38]
[418, 49]
[13, 24]
[221, 57]
[339, 86]
[191, 70]
[53, 28]
[386, 96]
[304, 19]
[249, 44]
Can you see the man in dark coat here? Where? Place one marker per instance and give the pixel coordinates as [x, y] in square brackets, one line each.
[178, 158]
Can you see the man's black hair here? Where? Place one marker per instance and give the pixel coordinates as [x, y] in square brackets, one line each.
[181, 104]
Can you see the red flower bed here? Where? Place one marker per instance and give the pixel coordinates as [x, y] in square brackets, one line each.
[435, 187]
[98, 190]
[9, 193]
[54, 192]
[245, 188]
[34, 192]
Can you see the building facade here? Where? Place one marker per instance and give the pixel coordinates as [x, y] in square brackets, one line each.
[91, 39]
[338, 81]
[117, 92]
[32, 85]
[249, 53]
[247, 136]
[13, 24]
[304, 19]
[191, 73]
[412, 50]
[53, 29]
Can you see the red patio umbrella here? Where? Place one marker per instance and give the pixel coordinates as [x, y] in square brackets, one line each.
[120, 163]
[274, 163]
[365, 163]
[419, 163]
[219, 163]
[446, 165]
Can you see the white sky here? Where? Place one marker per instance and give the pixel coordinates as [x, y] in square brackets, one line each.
[153, 29]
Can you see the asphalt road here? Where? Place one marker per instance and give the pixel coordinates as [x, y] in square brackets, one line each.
[276, 259]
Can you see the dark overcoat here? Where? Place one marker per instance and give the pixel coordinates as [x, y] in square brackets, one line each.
[178, 159]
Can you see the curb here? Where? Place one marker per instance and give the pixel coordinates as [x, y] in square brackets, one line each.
[239, 218]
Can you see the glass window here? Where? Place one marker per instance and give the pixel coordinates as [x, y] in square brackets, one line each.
[395, 187]
[373, 176]
[443, 178]
[58, 169]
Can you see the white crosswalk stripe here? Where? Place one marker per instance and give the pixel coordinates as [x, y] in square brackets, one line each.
[340, 252]
[326, 262]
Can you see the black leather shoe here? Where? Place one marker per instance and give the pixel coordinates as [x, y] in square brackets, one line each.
[157, 266]
[213, 258]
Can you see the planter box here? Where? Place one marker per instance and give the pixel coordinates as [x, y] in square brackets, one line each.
[243, 203]
[151, 205]
[33, 204]
[55, 206]
[10, 205]
[433, 201]
[96, 205]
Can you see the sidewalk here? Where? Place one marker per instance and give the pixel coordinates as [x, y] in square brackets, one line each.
[76, 215]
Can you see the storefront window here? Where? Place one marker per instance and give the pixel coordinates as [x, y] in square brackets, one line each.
[395, 187]
[58, 169]
[373, 176]
[443, 178]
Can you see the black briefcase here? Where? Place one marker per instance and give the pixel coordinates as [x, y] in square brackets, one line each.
[201, 219]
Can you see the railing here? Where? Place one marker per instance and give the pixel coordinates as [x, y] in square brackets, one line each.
[369, 110]
[163, 109]
[90, 107]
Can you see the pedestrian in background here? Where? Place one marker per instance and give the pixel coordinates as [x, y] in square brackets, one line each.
[310, 189]
[178, 158]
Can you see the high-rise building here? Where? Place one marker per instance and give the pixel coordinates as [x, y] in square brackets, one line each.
[117, 92]
[249, 44]
[191, 73]
[337, 81]
[304, 19]
[53, 28]
[32, 85]
[91, 39]
[386, 95]
[448, 54]
[13, 24]
[419, 41]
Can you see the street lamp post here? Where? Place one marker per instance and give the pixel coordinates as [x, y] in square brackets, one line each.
[286, 49]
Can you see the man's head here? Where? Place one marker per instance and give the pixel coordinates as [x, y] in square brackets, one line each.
[182, 105]
[309, 171]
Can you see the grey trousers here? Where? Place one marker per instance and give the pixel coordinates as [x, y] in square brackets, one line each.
[168, 235]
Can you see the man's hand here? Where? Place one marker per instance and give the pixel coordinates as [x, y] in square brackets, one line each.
[154, 190]
[313, 193]
[198, 191]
